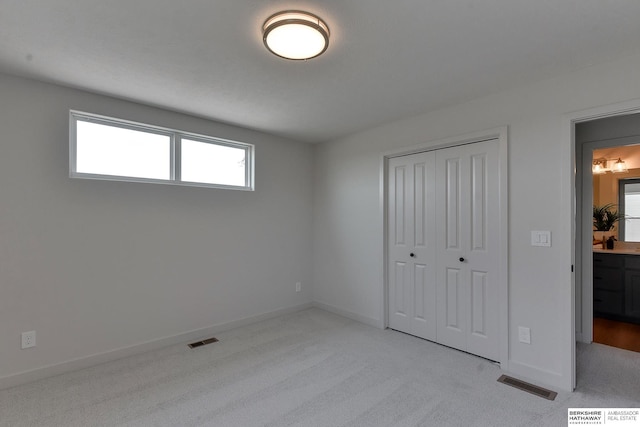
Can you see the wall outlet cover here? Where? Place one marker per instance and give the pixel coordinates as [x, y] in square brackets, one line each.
[524, 335]
[28, 339]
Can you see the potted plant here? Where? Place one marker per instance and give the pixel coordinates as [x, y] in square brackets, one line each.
[604, 219]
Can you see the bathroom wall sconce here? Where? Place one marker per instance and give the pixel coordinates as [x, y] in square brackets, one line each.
[619, 166]
[599, 166]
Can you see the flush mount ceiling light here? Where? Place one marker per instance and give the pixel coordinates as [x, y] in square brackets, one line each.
[296, 35]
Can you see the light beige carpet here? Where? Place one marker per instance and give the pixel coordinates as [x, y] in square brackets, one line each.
[312, 368]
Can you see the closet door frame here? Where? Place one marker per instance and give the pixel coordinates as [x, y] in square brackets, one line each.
[501, 135]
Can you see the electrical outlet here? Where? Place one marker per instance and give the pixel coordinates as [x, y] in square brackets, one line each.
[28, 339]
[298, 286]
[524, 334]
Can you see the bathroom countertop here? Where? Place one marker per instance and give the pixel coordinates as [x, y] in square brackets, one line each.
[617, 251]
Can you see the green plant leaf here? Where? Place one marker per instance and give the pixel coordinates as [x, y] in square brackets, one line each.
[605, 217]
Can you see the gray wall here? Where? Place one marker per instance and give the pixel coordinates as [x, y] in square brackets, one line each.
[348, 244]
[97, 266]
[608, 128]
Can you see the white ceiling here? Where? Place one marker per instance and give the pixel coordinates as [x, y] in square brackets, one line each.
[386, 59]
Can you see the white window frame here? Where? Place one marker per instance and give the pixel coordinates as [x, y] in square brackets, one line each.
[622, 208]
[175, 137]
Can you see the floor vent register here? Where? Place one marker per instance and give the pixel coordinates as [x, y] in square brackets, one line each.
[203, 342]
[529, 388]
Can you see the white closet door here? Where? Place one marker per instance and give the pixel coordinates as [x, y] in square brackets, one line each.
[411, 244]
[467, 199]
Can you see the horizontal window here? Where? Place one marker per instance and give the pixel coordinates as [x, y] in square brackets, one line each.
[113, 149]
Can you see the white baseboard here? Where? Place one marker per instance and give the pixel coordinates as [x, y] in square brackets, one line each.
[537, 376]
[348, 314]
[581, 338]
[108, 356]
[519, 370]
[532, 374]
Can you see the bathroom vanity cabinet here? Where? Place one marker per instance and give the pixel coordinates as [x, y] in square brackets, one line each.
[616, 286]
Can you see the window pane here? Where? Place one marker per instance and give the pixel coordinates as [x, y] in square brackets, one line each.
[213, 164]
[632, 213]
[109, 150]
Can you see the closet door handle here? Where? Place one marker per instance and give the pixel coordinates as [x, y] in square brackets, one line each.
[461, 259]
[412, 255]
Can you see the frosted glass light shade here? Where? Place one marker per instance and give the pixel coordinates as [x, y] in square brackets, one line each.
[295, 35]
[599, 166]
[619, 167]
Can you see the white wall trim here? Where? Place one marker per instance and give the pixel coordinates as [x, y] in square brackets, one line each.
[467, 138]
[501, 134]
[579, 256]
[108, 356]
[536, 375]
[376, 323]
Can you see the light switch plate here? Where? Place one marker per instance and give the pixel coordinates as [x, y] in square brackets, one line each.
[541, 238]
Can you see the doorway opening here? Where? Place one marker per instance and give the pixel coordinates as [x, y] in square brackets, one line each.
[608, 255]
